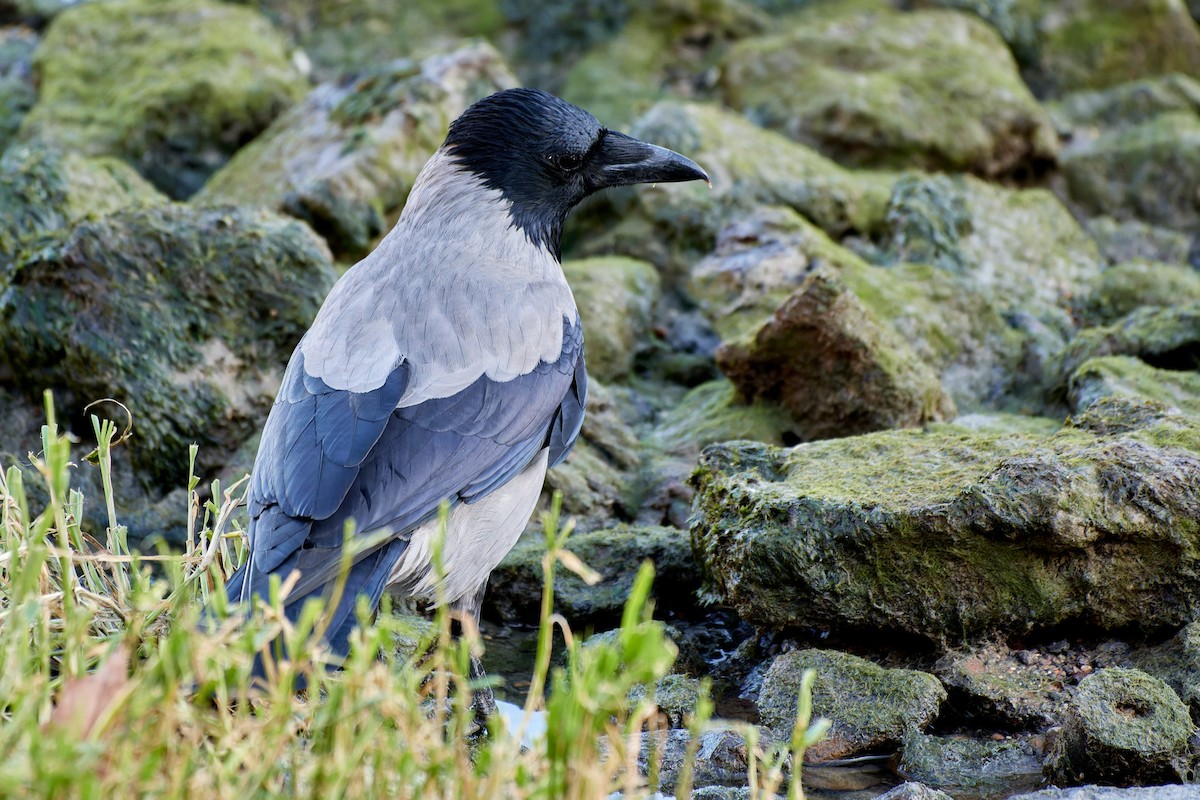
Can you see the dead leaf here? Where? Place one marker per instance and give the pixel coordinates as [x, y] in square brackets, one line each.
[84, 700]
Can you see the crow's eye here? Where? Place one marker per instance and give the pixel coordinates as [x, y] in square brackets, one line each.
[567, 162]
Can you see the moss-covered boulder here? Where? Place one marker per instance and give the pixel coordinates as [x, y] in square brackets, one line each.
[1124, 376]
[1126, 103]
[1128, 286]
[947, 536]
[17, 90]
[1089, 44]
[44, 190]
[968, 766]
[172, 86]
[616, 298]
[674, 225]
[345, 158]
[863, 88]
[761, 258]
[990, 684]
[1176, 662]
[514, 591]
[1147, 171]
[1123, 726]
[186, 316]
[829, 361]
[675, 695]
[351, 36]
[868, 706]
[1168, 338]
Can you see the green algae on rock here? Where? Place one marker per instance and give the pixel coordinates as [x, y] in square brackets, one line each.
[1124, 376]
[346, 157]
[17, 90]
[673, 225]
[1167, 337]
[174, 87]
[1131, 240]
[945, 536]
[616, 298]
[1147, 171]
[1123, 288]
[864, 88]
[1127, 103]
[44, 190]
[868, 706]
[186, 316]
[1122, 726]
[1176, 662]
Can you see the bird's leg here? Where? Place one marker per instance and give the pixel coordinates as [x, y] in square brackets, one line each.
[469, 609]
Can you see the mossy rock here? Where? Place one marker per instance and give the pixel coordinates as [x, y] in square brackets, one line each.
[713, 412]
[17, 90]
[1091, 44]
[1011, 20]
[1127, 103]
[174, 87]
[911, 790]
[34, 13]
[1124, 376]
[352, 36]
[675, 695]
[992, 686]
[1147, 171]
[186, 316]
[345, 159]
[44, 190]
[1126, 287]
[1176, 662]
[764, 256]
[674, 225]
[945, 537]
[862, 88]
[868, 706]
[830, 362]
[1167, 338]
[1131, 240]
[514, 591]
[1123, 726]
[967, 766]
[616, 298]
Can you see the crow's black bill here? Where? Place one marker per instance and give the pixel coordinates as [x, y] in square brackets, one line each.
[623, 160]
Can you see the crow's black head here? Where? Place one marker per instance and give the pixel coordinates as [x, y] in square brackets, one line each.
[545, 155]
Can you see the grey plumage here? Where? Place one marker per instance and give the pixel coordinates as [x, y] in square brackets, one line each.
[446, 366]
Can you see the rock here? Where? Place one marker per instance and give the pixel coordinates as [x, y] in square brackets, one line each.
[353, 36]
[1130, 240]
[1013, 21]
[992, 684]
[515, 588]
[1123, 376]
[43, 191]
[662, 50]
[1167, 338]
[345, 158]
[186, 316]
[172, 86]
[1176, 662]
[911, 790]
[722, 758]
[35, 13]
[675, 695]
[674, 225]
[1148, 171]
[825, 358]
[409, 633]
[1021, 248]
[977, 767]
[863, 87]
[17, 90]
[945, 536]
[764, 256]
[1090, 44]
[711, 412]
[724, 793]
[1115, 793]
[1125, 727]
[598, 479]
[868, 706]
[1127, 103]
[616, 298]
[1126, 287]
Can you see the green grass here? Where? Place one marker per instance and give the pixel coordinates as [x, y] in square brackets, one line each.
[111, 684]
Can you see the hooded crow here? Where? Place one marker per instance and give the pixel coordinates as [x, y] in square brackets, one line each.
[447, 365]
